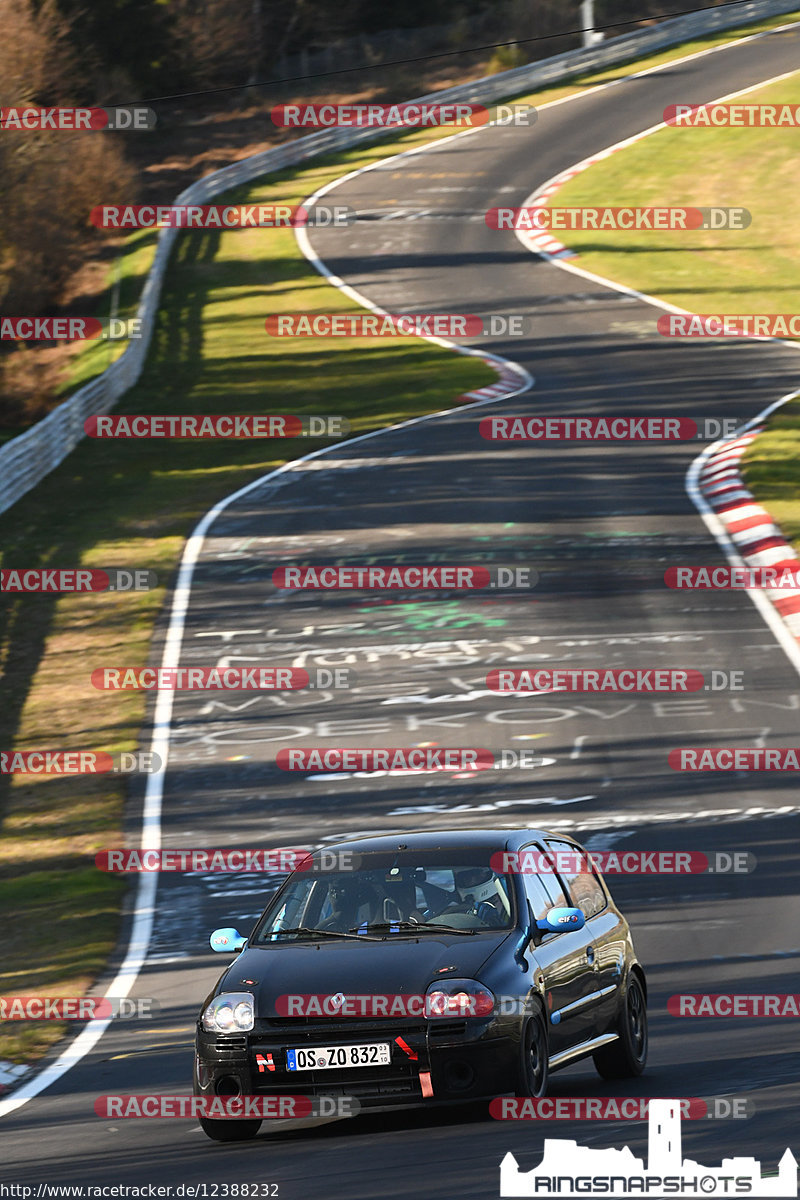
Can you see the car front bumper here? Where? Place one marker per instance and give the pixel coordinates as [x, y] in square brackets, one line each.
[430, 1061]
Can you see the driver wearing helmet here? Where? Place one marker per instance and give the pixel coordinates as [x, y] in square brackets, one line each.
[478, 894]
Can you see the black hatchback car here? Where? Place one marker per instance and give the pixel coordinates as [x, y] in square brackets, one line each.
[424, 967]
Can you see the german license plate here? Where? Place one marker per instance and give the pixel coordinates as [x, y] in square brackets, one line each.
[329, 1058]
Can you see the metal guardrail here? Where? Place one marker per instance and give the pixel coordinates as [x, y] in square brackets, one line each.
[27, 459]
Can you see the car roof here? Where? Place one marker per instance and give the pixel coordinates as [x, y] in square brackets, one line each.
[448, 839]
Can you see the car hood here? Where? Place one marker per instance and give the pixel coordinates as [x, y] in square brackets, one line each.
[395, 966]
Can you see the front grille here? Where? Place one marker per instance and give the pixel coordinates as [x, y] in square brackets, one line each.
[231, 1045]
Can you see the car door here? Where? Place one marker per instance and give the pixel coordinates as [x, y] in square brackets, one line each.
[563, 972]
[603, 924]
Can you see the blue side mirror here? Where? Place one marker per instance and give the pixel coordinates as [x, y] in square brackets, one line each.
[560, 919]
[228, 941]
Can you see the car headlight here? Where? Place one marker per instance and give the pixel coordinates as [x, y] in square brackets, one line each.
[230, 1012]
[458, 998]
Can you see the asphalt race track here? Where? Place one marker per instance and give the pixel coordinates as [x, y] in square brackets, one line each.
[600, 524]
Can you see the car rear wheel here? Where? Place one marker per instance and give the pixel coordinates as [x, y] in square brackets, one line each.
[229, 1130]
[533, 1073]
[627, 1056]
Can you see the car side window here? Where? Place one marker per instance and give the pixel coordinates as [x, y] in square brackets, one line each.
[582, 883]
[541, 902]
[544, 892]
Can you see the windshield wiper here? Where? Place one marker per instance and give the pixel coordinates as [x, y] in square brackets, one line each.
[388, 925]
[322, 933]
[449, 928]
[413, 926]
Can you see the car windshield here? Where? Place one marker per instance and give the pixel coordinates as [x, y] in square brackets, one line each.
[391, 895]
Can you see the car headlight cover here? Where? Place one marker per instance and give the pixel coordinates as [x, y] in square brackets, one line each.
[458, 998]
[230, 1012]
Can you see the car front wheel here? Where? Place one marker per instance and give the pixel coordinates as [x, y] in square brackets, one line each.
[627, 1057]
[533, 1072]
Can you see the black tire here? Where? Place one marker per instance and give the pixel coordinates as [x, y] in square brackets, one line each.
[229, 1130]
[533, 1072]
[627, 1057]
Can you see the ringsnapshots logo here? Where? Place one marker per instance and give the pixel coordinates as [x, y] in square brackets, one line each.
[568, 1170]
